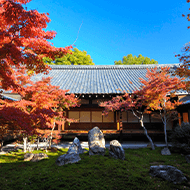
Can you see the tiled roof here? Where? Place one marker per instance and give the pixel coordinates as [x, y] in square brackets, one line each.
[8, 97]
[185, 100]
[81, 79]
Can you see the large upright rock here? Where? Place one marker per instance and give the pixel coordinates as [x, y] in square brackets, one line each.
[72, 155]
[116, 150]
[168, 173]
[96, 142]
[75, 147]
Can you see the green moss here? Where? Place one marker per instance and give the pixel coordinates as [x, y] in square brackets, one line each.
[92, 172]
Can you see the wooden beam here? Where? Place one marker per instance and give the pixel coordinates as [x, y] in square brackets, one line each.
[179, 118]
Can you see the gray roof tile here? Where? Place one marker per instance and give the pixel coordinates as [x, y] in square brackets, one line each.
[101, 79]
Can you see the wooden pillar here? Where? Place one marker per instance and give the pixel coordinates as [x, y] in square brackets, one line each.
[179, 118]
[66, 125]
[91, 120]
[120, 126]
[63, 126]
[120, 121]
[117, 119]
[185, 117]
[59, 128]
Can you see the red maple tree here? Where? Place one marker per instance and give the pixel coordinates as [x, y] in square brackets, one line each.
[42, 106]
[23, 44]
[159, 93]
[23, 41]
[154, 95]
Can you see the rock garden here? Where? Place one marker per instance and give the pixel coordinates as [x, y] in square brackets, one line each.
[96, 167]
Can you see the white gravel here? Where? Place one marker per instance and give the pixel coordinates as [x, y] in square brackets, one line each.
[84, 144]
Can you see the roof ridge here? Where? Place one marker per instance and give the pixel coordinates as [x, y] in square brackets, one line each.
[111, 66]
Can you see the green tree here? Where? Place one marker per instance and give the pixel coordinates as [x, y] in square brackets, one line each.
[134, 60]
[75, 57]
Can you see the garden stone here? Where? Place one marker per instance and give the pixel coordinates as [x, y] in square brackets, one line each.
[34, 157]
[75, 147]
[72, 155]
[96, 142]
[187, 158]
[38, 157]
[165, 151]
[116, 150]
[28, 156]
[67, 158]
[168, 173]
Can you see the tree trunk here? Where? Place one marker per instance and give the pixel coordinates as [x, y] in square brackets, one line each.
[164, 120]
[38, 143]
[2, 141]
[165, 123]
[25, 143]
[46, 143]
[50, 138]
[145, 132]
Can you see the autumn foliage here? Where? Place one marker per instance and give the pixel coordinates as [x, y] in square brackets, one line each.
[23, 45]
[156, 90]
[23, 41]
[160, 87]
[155, 94]
[42, 104]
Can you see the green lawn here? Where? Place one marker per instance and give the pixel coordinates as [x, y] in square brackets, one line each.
[92, 172]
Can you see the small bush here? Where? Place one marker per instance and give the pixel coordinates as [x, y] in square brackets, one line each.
[180, 138]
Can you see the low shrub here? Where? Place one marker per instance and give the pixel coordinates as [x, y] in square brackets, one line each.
[180, 139]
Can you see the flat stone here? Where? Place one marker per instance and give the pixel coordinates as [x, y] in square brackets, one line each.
[34, 157]
[28, 156]
[67, 158]
[168, 173]
[38, 157]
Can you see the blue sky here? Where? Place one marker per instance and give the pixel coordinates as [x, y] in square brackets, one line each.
[112, 29]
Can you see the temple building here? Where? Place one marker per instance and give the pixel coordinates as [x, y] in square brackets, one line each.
[94, 84]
